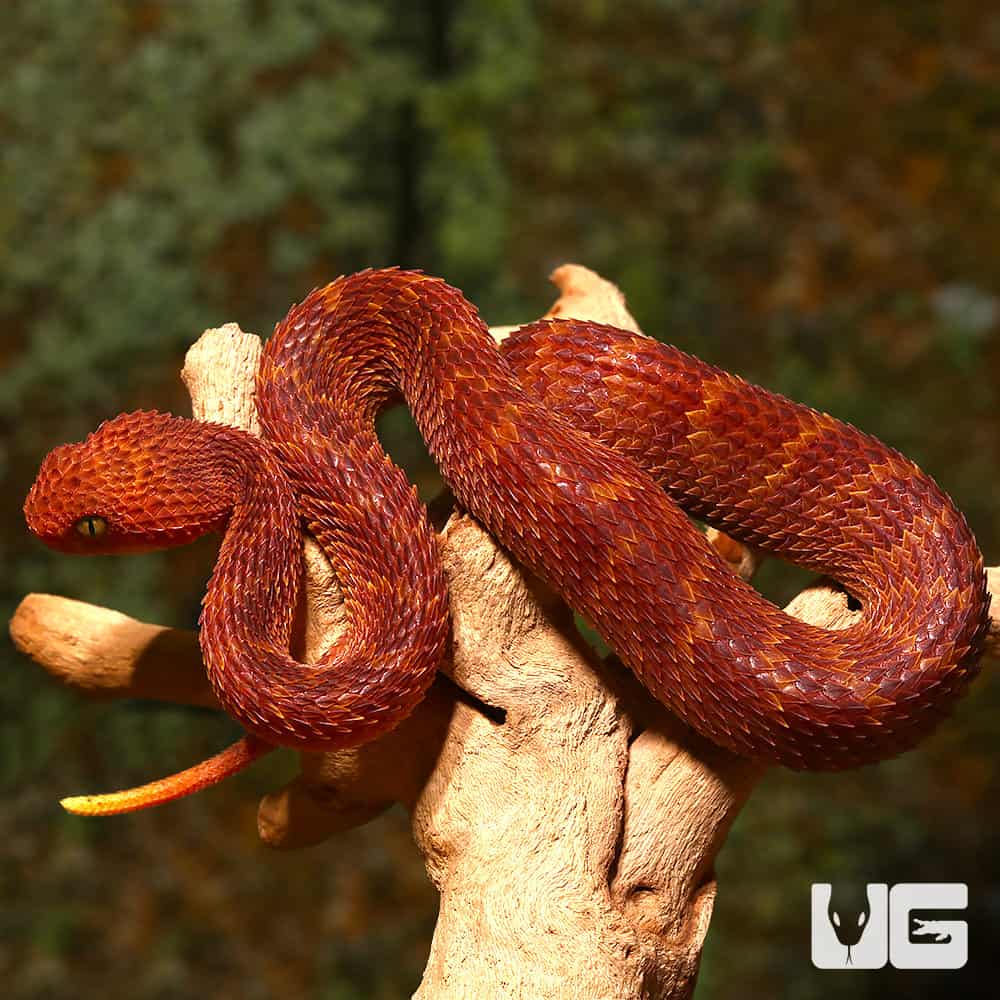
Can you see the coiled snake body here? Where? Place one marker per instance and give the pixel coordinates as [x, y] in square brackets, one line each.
[542, 441]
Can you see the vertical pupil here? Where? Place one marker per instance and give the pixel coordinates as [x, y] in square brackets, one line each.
[91, 528]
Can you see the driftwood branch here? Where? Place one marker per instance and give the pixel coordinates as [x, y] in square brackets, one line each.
[569, 822]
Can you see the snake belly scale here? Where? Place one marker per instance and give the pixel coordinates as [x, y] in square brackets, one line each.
[576, 445]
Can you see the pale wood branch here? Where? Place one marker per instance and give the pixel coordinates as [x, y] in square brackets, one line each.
[569, 822]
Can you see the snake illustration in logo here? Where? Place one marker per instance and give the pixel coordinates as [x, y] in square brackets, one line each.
[849, 911]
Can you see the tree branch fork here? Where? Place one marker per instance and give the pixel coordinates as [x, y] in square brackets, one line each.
[569, 822]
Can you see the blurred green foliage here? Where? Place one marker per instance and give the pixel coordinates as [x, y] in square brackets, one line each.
[806, 193]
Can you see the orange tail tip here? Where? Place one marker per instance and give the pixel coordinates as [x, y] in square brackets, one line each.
[209, 772]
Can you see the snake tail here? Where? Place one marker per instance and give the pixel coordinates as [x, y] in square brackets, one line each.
[209, 772]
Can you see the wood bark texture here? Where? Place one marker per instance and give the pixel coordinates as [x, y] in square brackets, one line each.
[569, 822]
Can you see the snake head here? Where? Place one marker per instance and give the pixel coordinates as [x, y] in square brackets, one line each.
[139, 482]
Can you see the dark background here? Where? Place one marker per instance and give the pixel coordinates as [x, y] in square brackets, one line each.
[805, 193]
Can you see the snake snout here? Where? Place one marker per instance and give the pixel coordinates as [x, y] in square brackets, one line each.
[52, 506]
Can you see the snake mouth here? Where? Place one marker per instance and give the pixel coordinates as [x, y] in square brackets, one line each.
[209, 772]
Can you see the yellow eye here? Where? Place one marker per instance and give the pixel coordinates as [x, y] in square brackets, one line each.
[91, 526]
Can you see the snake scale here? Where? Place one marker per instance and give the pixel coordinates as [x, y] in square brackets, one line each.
[579, 447]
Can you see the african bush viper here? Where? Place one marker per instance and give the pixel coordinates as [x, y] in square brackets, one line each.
[576, 445]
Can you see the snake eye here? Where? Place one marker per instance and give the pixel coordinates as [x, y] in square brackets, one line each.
[91, 526]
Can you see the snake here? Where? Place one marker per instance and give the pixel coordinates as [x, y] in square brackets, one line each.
[586, 451]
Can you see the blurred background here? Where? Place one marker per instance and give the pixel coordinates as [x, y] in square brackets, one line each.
[806, 193]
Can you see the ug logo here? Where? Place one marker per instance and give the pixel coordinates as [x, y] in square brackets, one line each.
[907, 925]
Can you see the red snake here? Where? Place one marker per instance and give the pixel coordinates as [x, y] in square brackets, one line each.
[576, 445]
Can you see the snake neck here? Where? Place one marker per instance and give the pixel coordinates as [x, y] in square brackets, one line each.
[375, 673]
